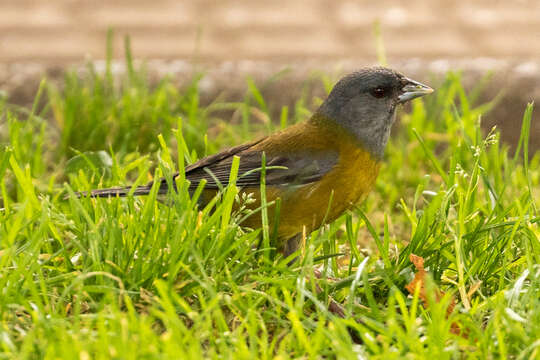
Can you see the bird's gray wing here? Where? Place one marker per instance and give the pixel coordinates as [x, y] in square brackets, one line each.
[281, 170]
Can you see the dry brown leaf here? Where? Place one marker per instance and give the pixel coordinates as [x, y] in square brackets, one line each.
[420, 280]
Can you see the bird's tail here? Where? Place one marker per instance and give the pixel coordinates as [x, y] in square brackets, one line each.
[115, 192]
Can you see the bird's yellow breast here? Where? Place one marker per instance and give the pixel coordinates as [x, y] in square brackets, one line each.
[311, 205]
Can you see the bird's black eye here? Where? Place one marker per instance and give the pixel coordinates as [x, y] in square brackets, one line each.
[378, 92]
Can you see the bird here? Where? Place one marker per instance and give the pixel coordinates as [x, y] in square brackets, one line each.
[317, 169]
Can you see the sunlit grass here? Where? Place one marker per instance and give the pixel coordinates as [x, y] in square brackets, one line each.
[135, 277]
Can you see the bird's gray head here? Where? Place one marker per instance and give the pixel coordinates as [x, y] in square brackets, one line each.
[364, 104]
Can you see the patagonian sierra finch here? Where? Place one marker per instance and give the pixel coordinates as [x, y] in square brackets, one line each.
[318, 168]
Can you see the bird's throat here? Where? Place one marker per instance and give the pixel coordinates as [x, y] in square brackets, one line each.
[372, 139]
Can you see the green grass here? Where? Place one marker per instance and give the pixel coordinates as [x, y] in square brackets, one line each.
[136, 278]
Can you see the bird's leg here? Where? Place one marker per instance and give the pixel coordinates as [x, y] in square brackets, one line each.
[292, 245]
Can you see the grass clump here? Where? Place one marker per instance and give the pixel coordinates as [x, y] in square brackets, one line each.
[133, 277]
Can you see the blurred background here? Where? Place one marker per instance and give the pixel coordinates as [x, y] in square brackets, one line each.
[229, 40]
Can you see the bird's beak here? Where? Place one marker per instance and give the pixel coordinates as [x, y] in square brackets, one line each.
[413, 89]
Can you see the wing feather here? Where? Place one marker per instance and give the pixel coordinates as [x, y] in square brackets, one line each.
[281, 170]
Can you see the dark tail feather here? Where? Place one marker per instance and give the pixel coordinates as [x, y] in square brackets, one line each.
[115, 192]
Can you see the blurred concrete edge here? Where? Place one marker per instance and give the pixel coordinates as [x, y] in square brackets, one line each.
[519, 82]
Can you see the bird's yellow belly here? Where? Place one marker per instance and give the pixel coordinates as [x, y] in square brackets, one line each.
[311, 205]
